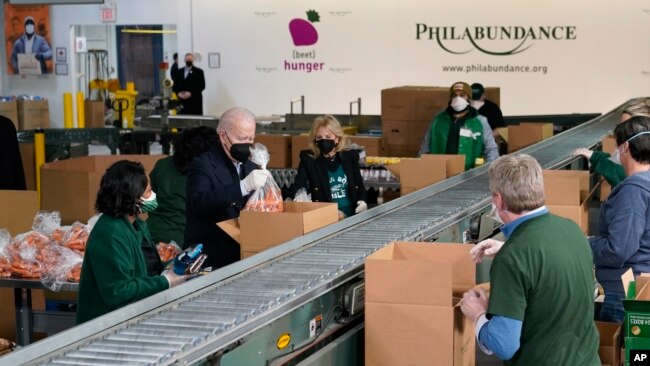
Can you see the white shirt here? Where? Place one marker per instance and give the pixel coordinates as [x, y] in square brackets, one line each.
[29, 44]
[187, 71]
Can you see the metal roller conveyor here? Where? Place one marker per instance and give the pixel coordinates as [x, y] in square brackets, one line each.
[231, 315]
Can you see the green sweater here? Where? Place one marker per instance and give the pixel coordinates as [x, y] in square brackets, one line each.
[114, 273]
[543, 276]
[612, 172]
[167, 222]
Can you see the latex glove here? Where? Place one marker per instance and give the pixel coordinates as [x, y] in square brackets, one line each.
[173, 278]
[474, 304]
[361, 206]
[341, 215]
[489, 247]
[584, 152]
[256, 179]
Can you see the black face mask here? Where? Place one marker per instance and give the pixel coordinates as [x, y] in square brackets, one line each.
[188, 63]
[240, 152]
[325, 145]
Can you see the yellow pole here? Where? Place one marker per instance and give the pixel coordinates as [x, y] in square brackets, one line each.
[39, 158]
[67, 110]
[81, 117]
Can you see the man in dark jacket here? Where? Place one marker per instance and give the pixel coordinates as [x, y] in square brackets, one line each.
[218, 185]
[486, 107]
[189, 83]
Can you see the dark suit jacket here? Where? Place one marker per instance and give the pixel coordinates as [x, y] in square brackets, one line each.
[194, 83]
[312, 175]
[213, 195]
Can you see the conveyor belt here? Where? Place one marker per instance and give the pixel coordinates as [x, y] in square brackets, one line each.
[191, 321]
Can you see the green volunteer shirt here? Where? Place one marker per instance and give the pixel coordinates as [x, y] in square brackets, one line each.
[339, 189]
[612, 172]
[543, 276]
[167, 222]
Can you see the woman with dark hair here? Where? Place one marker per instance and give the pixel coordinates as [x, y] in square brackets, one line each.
[168, 180]
[623, 239]
[115, 271]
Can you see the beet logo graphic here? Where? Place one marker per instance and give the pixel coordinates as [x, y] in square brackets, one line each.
[303, 32]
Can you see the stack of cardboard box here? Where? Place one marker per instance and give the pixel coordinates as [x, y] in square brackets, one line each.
[407, 112]
[279, 147]
[9, 109]
[33, 114]
[525, 134]
[373, 145]
[567, 194]
[412, 312]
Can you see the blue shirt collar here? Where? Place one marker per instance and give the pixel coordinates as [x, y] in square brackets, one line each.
[508, 228]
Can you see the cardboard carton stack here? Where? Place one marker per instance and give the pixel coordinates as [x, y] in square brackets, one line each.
[611, 341]
[279, 147]
[70, 186]
[258, 231]
[568, 195]
[415, 174]
[9, 109]
[407, 112]
[412, 312]
[374, 146]
[33, 114]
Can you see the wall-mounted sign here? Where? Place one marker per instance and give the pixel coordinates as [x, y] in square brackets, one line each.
[108, 13]
[80, 44]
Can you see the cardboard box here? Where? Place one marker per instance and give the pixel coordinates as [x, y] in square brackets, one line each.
[373, 145]
[27, 156]
[257, 231]
[94, 113]
[279, 147]
[70, 186]
[415, 174]
[298, 144]
[412, 316]
[10, 110]
[413, 103]
[33, 114]
[611, 341]
[493, 93]
[637, 306]
[567, 194]
[526, 134]
[632, 347]
[17, 210]
[404, 138]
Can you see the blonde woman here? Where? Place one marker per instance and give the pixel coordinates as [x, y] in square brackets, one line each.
[329, 170]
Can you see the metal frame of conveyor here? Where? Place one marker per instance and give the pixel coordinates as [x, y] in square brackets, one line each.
[211, 318]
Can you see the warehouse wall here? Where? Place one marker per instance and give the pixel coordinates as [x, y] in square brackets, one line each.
[364, 46]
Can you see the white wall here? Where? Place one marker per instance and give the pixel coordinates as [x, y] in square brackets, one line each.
[369, 45]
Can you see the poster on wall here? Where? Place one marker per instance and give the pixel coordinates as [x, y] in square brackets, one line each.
[27, 39]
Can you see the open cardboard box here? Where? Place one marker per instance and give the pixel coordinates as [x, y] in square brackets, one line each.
[526, 134]
[412, 312]
[257, 231]
[70, 186]
[611, 341]
[636, 304]
[415, 174]
[567, 195]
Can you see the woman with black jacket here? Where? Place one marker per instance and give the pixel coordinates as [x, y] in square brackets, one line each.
[329, 170]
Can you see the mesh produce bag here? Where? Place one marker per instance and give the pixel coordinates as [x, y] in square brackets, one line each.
[24, 252]
[269, 197]
[46, 222]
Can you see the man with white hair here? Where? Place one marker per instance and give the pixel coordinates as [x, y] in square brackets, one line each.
[540, 308]
[218, 185]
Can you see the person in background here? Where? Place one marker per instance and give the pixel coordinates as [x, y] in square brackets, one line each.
[118, 269]
[540, 309]
[329, 170]
[189, 83]
[623, 239]
[609, 166]
[168, 180]
[31, 43]
[487, 108]
[219, 183]
[174, 68]
[460, 130]
[12, 175]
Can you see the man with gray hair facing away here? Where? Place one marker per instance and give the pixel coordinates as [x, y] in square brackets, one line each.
[540, 308]
[219, 183]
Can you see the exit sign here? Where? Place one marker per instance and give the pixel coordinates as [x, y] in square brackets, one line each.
[108, 13]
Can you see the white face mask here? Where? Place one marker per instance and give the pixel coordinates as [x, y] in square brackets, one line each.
[29, 29]
[459, 104]
[616, 157]
[494, 214]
